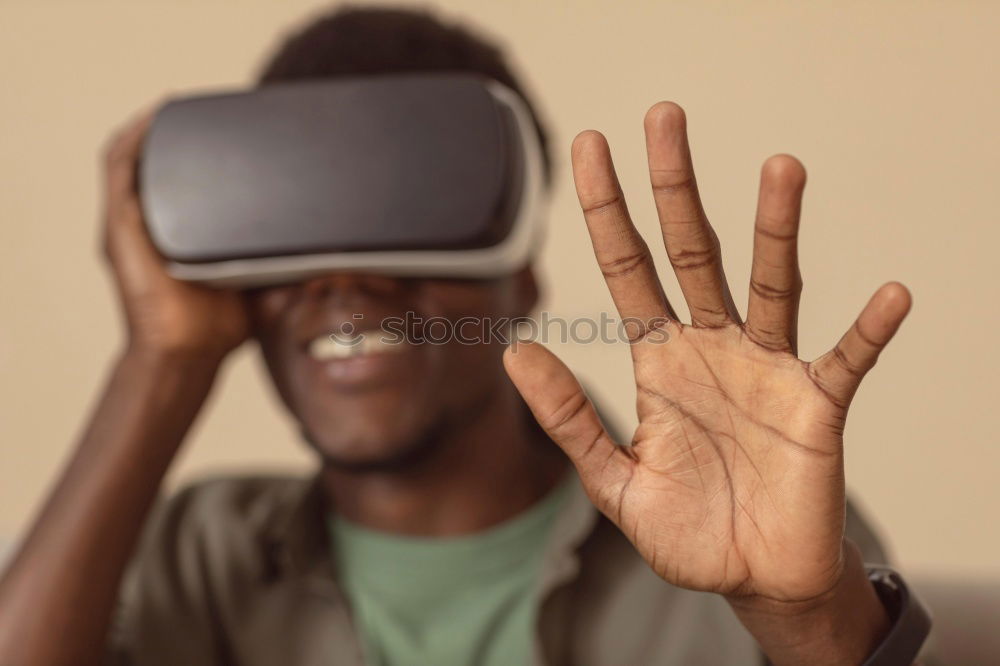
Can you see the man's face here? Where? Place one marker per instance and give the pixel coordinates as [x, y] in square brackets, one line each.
[366, 404]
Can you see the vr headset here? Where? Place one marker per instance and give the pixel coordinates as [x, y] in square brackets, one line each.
[436, 175]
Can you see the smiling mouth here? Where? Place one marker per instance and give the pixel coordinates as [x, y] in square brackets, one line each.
[360, 345]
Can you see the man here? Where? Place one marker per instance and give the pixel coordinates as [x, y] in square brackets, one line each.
[443, 526]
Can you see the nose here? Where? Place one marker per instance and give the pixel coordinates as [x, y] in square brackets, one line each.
[352, 283]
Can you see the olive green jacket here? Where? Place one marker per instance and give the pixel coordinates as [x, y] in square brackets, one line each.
[238, 571]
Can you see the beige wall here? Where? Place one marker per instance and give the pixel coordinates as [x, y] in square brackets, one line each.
[893, 106]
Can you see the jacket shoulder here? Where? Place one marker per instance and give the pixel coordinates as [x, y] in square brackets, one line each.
[199, 550]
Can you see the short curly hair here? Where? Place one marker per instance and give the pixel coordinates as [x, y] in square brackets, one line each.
[365, 40]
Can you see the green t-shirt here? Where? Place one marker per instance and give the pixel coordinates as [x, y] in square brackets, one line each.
[455, 600]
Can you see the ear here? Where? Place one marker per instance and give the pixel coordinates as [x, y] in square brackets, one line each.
[527, 292]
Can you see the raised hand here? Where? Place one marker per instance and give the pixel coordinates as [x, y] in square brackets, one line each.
[734, 479]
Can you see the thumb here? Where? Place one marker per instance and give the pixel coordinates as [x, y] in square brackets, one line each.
[563, 410]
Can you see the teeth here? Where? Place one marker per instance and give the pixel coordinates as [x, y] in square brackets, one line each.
[327, 347]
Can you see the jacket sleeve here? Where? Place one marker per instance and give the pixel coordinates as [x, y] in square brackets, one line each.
[165, 613]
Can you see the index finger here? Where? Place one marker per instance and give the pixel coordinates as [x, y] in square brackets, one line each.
[125, 237]
[622, 254]
[122, 155]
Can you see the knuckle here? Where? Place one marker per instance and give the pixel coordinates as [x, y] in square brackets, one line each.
[598, 205]
[685, 260]
[771, 339]
[783, 229]
[776, 293]
[846, 364]
[566, 413]
[625, 265]
[672, 182]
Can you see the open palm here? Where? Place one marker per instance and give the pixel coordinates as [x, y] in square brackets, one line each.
[734, 480]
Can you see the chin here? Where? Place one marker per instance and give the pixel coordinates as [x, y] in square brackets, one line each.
[366, 455]
[365, 441]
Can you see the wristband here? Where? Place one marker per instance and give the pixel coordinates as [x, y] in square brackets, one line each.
[911, 622]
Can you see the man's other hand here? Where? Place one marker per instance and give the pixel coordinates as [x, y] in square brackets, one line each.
[734, 479]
